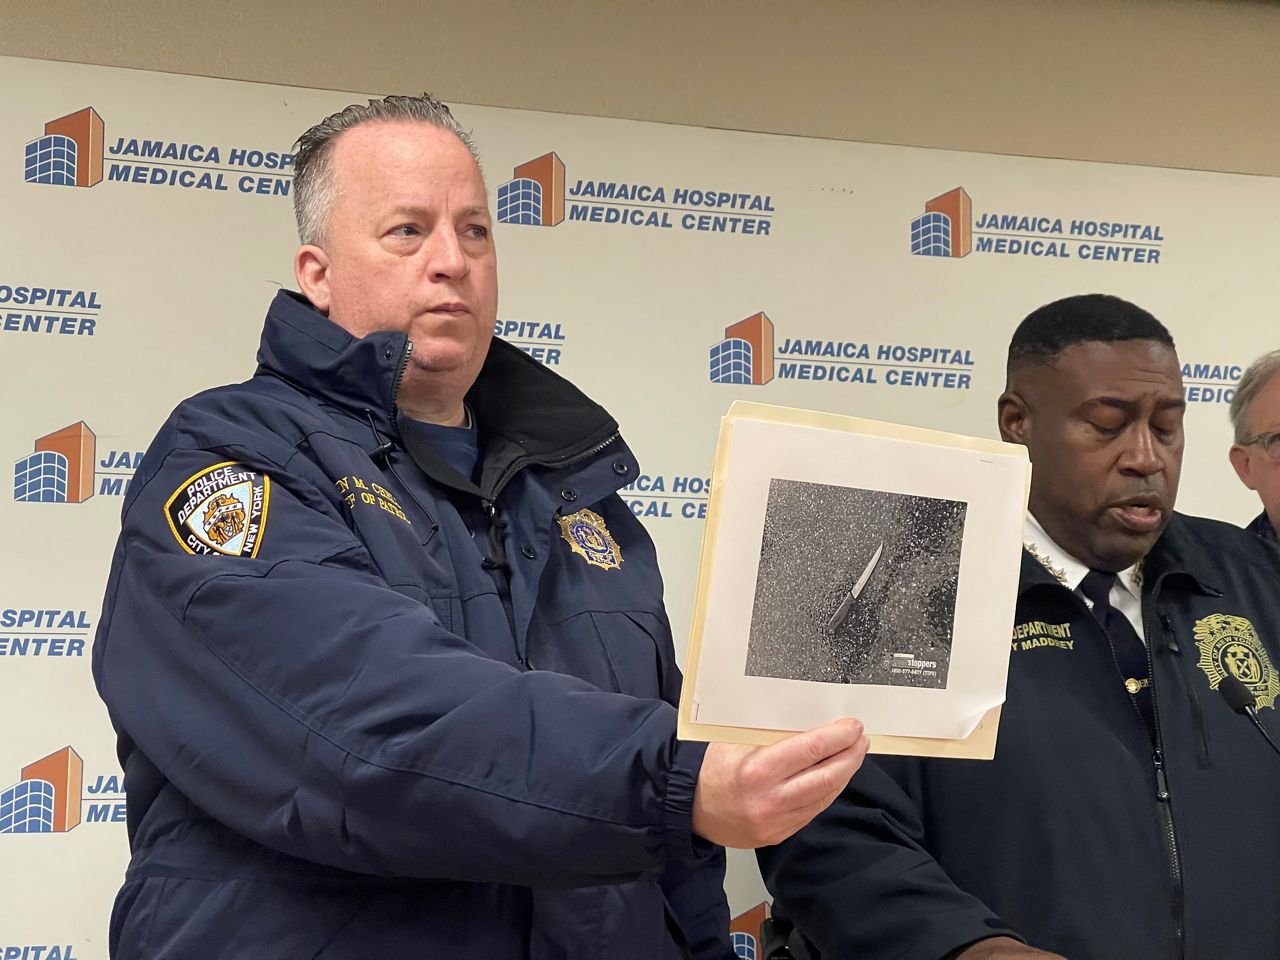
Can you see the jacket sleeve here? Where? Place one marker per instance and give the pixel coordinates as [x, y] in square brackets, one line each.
[297, 697]
[858, 881]
[695, 891]
[694, 887]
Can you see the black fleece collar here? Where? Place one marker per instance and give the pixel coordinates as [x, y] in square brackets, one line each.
[527, 414]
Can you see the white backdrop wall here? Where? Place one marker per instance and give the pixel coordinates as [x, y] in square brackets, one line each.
[119, 299]
[1168, 83]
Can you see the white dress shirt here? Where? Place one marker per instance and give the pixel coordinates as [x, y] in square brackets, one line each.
[1126, 593]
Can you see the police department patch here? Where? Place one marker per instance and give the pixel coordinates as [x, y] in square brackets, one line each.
[1230, 645]
[590, 539]
[222, 509]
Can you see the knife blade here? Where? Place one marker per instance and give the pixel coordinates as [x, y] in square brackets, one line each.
[846, 605]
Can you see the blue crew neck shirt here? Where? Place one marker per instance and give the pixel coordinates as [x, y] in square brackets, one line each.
[457, 446]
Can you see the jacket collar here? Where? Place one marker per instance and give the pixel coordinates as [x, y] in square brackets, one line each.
[1066, 568]
[1035, 574]
[1178, 554]
[307, 349]
[530, 415]
[1175, 555]
[1260, 526]
[527, 414]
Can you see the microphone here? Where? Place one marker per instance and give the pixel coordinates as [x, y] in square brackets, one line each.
[1241, 699]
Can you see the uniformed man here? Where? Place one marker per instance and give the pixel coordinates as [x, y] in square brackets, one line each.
[1128, 813]
[386, 652]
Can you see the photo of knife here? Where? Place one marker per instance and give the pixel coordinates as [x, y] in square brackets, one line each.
[846, 605]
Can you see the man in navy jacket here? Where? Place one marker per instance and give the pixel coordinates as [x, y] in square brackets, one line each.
[386, 653]
[1128, 814]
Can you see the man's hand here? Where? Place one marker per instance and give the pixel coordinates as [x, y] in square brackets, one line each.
[757, 796]
[1004, 948]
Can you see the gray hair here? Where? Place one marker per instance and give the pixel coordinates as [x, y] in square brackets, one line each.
[314, 185]
[1255, 378]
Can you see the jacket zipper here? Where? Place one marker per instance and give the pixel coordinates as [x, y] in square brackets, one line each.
[395, 384]
[1164, 798]
[578, 458]
[497, 549]
[519, 463]
[497, 563]
[497, 560]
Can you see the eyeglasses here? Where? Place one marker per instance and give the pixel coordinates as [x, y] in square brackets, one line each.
[1270, 443]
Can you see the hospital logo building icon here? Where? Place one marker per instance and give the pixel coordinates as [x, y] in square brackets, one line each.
[945, 229]
[47, 798]
[70, 152]
[60, 470]
[535, 194]
[745, 355]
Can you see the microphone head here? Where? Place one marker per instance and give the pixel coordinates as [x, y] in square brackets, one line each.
[1239, 697]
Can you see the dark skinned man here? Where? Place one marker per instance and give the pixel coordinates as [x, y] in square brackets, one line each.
[1129, 813]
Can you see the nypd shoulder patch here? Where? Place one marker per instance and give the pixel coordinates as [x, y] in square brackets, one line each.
[220, 510]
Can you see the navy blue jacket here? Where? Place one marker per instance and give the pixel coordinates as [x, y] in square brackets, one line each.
[1082, 836]
[1260, 526]
[368, 708]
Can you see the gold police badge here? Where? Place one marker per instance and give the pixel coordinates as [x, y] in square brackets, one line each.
[1230, 645]
[590, 539]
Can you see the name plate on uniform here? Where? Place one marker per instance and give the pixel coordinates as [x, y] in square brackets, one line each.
[855, 568]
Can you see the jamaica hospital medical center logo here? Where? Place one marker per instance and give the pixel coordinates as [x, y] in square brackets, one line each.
[49, 797]
[536, 196]
[748, 355]
[948, 228]
[70, 152]
[74, 152]
[62, 468]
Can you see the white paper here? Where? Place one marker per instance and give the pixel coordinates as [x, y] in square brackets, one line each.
[922, 650]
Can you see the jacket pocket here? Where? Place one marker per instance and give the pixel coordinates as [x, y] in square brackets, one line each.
[448, 611]
[1191, 690]
[184, 918]
[630, 651]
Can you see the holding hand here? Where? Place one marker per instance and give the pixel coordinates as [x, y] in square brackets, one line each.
[757, 796]
[1004, 948]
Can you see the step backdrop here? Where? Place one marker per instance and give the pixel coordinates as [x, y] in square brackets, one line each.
[666, 270]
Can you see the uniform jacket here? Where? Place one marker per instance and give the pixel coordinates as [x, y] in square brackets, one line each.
[1261, 527]
[369, 708]
[1082, 836]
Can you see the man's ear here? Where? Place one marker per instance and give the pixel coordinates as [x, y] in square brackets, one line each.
[311, 267]
[1013, 416]
[1239, 457]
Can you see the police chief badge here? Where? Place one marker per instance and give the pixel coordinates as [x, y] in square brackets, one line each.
[222, 509]
[590, 539]
[1230, 645]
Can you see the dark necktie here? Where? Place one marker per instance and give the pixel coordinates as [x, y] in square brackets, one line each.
[1130, 652]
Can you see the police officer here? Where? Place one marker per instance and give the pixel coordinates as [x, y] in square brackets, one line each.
[1128, 813]
[386, 653]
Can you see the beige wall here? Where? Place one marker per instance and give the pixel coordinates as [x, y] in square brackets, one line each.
[1163, 82]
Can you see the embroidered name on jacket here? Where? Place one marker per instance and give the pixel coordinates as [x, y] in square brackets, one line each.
[589, 538]
[1036, 633]
[222, 509]
[1230, 644]
[358, 492]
